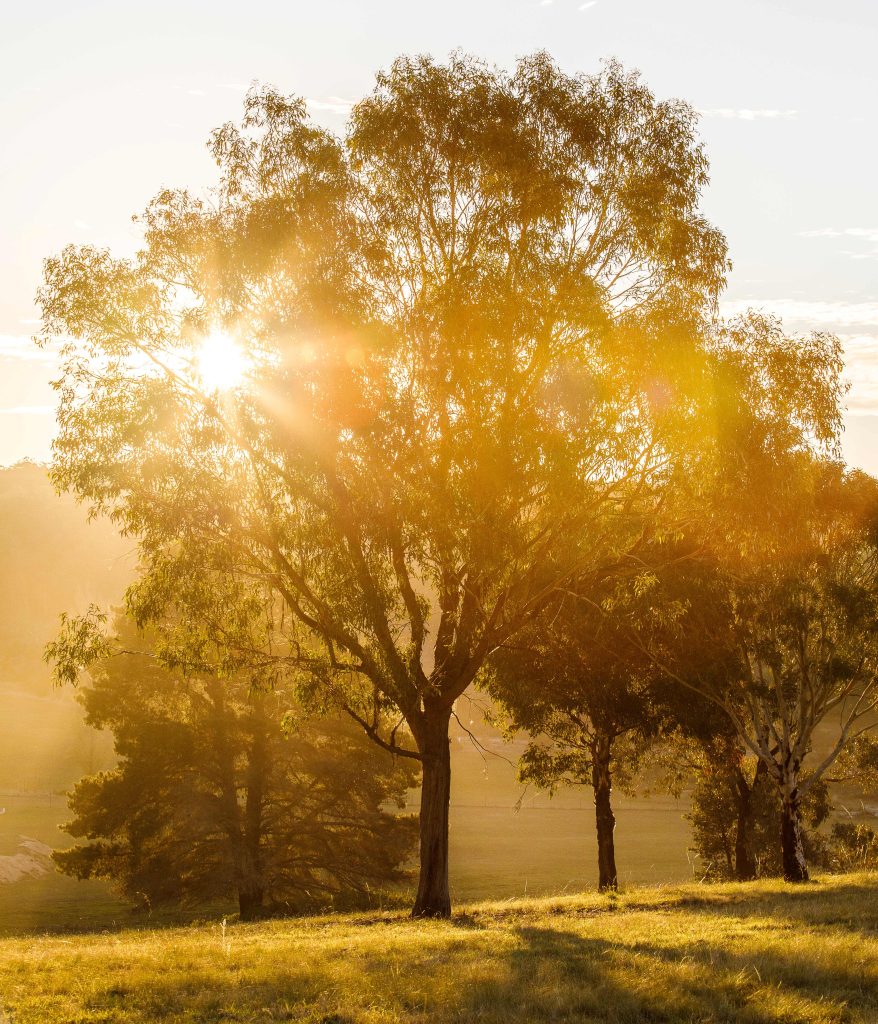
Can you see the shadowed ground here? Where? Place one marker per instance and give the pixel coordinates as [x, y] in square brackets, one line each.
[756, 953]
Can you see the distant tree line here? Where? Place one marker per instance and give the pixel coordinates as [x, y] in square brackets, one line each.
[492, 433]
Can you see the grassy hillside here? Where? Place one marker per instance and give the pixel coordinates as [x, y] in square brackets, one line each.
[759, 953]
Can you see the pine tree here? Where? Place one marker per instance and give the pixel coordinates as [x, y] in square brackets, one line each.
[222, 792]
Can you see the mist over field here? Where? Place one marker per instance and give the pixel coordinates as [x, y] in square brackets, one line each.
[507, 840]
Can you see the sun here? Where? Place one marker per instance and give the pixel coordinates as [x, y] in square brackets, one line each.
[221, 363]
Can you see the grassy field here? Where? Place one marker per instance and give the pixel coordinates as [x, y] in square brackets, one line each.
[758, 953]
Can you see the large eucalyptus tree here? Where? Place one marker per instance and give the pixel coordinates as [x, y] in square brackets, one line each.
[470, 328]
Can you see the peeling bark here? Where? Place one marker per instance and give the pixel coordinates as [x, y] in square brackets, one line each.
[795, 867]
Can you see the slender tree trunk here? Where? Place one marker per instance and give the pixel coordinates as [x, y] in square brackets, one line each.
[251, 903]
[795, 868]
[605, 820]
[745, 862]
[433, 898]
[225, 749]
[251, 887]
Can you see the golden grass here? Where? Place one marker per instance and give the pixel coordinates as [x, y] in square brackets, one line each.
[757, 953]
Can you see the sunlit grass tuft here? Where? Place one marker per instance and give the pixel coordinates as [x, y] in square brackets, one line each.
[759, 953]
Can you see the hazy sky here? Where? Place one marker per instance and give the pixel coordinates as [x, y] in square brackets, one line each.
[101, 104]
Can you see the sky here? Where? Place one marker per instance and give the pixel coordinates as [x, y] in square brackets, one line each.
[103, 104]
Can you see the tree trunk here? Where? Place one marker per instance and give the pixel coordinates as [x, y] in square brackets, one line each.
[745, 862]
[795, 868]
[605, 820]
[433, 898]
[250, 903]
[251, 887]
[241, 825]
[224, 751]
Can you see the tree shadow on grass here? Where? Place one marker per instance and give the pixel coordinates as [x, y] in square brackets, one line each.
[520, 975]
[850, 906]
[560, 975]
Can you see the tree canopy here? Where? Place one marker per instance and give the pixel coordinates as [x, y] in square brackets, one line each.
[478, 337]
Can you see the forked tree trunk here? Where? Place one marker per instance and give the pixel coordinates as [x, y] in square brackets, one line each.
[795, 867]
[433, 898]
[605, 820]
[745, 862]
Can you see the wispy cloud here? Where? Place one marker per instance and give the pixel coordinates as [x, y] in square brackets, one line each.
[333, 104]
[589, 3]
[17, 347]
[871, 234]
[746, 114]
[868, 236]
[27, 410]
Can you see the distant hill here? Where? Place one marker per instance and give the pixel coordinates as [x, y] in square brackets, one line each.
[52, 559]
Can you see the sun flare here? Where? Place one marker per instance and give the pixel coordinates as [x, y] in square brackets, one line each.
[221, 363]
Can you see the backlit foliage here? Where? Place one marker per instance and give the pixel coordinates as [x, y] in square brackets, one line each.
[480, 335]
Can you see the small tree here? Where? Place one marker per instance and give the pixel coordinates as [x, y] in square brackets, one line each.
[725, 813]
[576, 684]
[699, 744]
[734, 815]
[213, 800]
